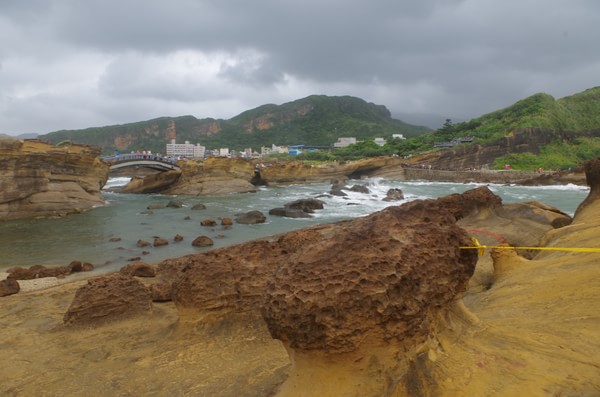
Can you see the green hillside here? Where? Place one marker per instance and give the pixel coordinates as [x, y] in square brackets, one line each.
[315, 120]
[575, 113]
[570, 125]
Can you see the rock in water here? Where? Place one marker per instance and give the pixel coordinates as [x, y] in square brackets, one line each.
[250, 218]
[108, 298]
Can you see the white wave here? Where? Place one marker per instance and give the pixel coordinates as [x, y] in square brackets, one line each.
[117, 181]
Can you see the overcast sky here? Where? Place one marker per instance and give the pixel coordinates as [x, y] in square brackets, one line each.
[68, 64]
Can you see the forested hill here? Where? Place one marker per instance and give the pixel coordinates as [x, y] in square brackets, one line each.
[535, 132]
[576, 113]
[314, 120]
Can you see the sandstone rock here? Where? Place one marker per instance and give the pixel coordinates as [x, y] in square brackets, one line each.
[155, 206]
[394, 194]
[178, 238]
[250, 218]
[114, 239]
[418, 270]
[208, 222]
[75, 266]
[175, 204]
[159, 242]
[43, 180]
[138, 269]
[87, 267]
[153, 183]
[143, 243]
[161, 291]
[187, 218]
[202, 241]
[226, 222]
[360, 189]
[306, 205]
[592, 177]
[108, 298]
[289, 213]
[9, 287]
[198, 207]
[37, 271]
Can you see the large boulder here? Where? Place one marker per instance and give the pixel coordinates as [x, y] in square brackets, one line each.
[308, 205]
[108, 298]
[250, 218]
[350, 288]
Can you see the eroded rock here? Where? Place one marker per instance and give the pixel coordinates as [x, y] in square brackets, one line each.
[108, 298]
[138, 269]
[9, 287]
[385, 286]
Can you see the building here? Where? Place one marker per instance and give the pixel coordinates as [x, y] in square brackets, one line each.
[199, 151]
[186, 149]
[379, 141]
[224, 152]
[398, 136]
[344, 141]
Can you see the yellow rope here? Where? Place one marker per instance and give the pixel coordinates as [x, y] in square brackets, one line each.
[481, 248]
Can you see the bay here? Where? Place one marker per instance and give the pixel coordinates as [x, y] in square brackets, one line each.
[87, 237]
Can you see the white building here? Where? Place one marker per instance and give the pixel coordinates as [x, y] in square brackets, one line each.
[185, 150]
[199, 151]
[224, 152]
[379, 141]
[344, 141]
[265, 150]
[398, 136]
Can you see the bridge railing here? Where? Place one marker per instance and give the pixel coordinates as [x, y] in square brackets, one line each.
[133, 157]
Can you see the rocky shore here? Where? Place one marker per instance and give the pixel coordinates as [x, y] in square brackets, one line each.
[385, 305]
[222, 175]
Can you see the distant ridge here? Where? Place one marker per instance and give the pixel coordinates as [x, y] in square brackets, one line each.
[314, 120]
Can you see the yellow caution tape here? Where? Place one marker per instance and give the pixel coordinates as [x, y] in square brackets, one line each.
[481, 248]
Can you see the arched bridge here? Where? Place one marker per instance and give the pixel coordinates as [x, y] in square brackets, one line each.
[141, 160]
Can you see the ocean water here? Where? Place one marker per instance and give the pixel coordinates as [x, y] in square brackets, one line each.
[86, 237]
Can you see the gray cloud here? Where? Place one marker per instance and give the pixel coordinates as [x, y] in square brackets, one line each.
[71, 64]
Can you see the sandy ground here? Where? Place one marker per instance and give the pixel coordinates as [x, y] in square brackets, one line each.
[158, 354]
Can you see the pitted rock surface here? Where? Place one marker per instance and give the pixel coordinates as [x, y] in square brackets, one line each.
[385, 275]
[108, 298]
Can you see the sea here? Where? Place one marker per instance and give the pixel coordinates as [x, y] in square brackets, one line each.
[107, 236]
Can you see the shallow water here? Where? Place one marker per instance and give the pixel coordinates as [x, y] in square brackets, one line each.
[86, 236]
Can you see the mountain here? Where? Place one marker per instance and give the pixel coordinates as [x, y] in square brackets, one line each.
[314, 120]
[22, 136]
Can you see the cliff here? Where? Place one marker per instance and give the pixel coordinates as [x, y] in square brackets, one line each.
[43, 180]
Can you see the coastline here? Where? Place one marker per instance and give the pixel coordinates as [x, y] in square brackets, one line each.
[188, 350]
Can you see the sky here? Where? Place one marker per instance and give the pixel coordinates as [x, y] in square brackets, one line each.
[70, 64]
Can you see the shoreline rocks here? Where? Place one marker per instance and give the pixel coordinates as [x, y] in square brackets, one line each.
[43, 180]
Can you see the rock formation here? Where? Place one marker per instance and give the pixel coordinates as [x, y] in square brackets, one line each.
[153, 183]
[108, 298]
[43, 180]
